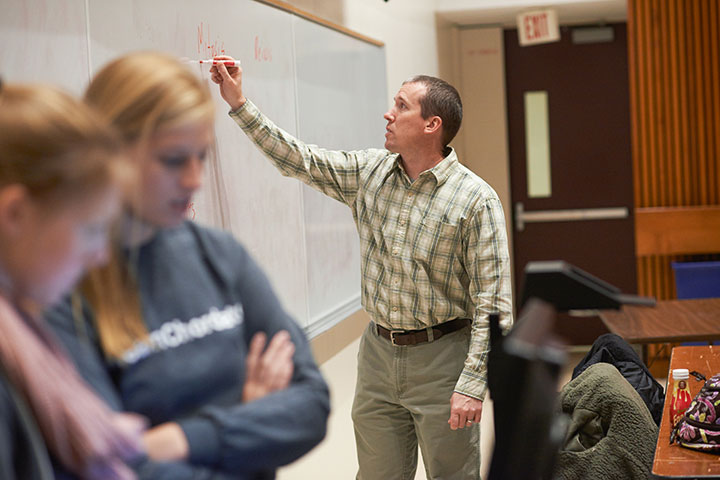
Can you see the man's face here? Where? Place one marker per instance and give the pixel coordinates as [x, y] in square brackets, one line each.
[405, 122]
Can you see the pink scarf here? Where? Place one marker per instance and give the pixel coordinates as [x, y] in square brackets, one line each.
[79, 429]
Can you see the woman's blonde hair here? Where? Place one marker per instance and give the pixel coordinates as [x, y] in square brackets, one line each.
[144, 92]
[59, 149]
[141, 94]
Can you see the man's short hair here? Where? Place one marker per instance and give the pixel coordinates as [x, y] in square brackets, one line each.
[443, 100]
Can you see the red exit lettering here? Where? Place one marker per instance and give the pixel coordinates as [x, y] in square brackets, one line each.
[536, 26]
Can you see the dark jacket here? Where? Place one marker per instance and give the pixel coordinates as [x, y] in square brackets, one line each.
[612, 349]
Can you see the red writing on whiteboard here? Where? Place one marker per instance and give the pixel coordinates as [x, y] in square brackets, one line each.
[262, 54]
[206, 46]
[536, 26]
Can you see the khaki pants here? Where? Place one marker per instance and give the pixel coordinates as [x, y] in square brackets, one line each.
[402, 400]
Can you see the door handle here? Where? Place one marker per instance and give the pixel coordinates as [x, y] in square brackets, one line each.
[522, 217]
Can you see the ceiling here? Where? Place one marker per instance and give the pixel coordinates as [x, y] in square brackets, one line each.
[504, 12]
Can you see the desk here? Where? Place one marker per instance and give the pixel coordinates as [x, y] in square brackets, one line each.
[671, 321]
[674, 461]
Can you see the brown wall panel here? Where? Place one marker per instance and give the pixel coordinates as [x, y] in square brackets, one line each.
[674, 53]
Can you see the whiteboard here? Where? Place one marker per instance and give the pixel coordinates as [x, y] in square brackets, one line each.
[323, 86]
[44, 41]
[338, 81]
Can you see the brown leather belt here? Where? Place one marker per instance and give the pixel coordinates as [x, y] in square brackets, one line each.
[414, 337]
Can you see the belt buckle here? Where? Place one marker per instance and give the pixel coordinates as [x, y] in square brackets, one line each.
[392, 337]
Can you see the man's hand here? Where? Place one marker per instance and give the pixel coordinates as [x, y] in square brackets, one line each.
[230, 81]
[464, 411]
[269, 371]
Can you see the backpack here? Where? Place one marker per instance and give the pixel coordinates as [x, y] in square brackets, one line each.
[699, 428]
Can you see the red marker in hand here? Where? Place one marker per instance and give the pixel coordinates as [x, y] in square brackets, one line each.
[227, 63]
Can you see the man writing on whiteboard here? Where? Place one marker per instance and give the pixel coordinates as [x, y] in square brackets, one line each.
[434, 264]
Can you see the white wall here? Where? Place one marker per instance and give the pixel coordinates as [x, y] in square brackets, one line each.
[407, 27]
[481, 84]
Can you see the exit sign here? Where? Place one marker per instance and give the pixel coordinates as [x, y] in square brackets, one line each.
[538, 26]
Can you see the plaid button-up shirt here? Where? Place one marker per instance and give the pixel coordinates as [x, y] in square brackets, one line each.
[433, 249]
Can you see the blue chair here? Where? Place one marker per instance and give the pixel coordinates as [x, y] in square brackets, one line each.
[697, 280]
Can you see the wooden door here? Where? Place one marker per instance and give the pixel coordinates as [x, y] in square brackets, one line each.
[588, 116]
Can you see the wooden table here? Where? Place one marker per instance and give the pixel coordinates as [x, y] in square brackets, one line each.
[670, 321]
[674, 461]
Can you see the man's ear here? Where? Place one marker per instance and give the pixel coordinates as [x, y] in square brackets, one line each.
[15, 207]
[433, 124]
